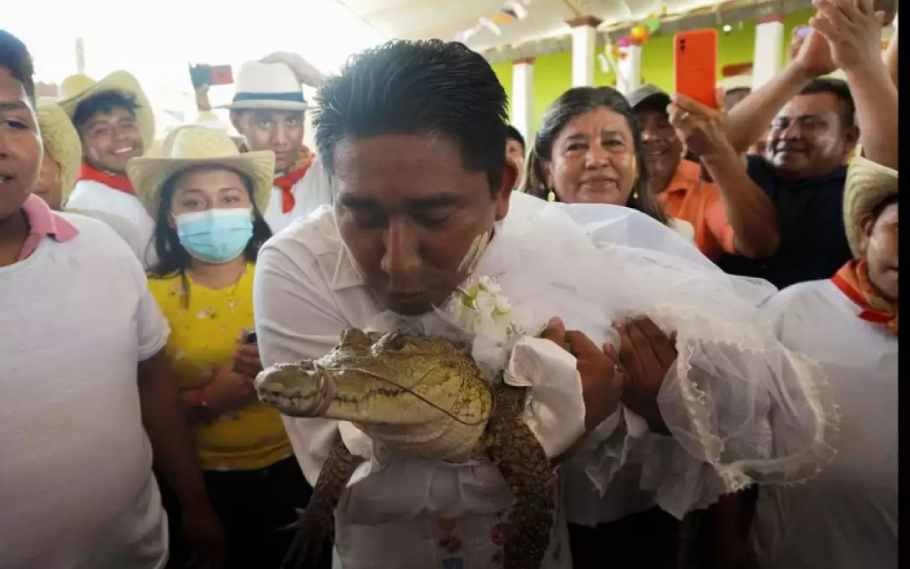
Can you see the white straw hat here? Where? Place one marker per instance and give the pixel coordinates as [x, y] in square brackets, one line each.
[194, 145]
[116, 81]
[868, 184]
[61, 141]
[267, 86]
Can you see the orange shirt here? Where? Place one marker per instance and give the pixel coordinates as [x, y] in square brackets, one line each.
[699, 202]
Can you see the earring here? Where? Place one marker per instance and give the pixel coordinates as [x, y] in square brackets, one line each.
[551, 196]
[635, 195]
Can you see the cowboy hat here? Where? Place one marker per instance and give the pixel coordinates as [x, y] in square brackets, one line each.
[868, 184]
[61, 142]
[194, 145]
[75, 84]
[270, 86]
[117, 81]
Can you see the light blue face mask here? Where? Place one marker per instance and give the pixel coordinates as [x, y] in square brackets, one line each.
[215, 235]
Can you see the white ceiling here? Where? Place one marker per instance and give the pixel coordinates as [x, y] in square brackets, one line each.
[445, 19]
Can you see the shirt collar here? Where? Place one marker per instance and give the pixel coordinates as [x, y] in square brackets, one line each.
[685, 178]
[43, 221]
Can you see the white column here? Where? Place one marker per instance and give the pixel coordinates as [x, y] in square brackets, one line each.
[584, 40]
[629, 77]
[769, 50]
[523, 96]
[80, 55]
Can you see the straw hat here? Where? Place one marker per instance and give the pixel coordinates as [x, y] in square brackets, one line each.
[267, 86]
[868, 184]
[194, 145]
[61, 141]
[75, 84]
[116, 81]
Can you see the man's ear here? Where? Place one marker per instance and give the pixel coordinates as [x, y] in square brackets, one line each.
[506, 183]
[866, 226]
[852, 137]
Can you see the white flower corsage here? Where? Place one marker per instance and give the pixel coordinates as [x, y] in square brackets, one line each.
[481, 308]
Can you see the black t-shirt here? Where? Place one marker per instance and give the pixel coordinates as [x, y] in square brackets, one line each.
[813, 244]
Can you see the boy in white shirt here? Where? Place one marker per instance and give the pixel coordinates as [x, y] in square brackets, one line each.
[115, 122]
[88, 399]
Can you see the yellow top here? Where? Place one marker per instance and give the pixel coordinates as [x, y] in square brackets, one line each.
[205, 334]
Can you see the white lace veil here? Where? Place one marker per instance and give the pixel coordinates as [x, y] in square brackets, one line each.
[736, 398]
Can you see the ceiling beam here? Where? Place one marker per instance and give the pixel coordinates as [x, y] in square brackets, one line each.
[729, 13]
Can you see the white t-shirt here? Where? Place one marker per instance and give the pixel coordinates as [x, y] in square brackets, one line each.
[76, 482]
[847, 517]
[91, 195]
[310, 192]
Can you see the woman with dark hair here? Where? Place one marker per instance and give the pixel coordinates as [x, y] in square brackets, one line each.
[589, 150]
[206, 199]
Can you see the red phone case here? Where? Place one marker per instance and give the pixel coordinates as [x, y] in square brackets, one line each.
[695, 65]
[221, 75]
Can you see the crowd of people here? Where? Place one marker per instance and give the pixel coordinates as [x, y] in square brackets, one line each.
[703, 303]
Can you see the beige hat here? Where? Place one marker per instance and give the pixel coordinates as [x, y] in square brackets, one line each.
[868, 184]
[116, 81]
[61, 141]
[75, 84]
[194, 145]
[267, 86]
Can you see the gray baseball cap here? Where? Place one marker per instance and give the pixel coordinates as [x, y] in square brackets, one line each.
[648, 94]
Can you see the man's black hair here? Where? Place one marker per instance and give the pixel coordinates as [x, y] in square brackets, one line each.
[15, 57]
[513, 134]
[103, 102]
[416, 87]
[840, 90]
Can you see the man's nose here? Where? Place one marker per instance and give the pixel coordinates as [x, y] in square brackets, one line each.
[280, 134]
[792, 130]
[402, 253]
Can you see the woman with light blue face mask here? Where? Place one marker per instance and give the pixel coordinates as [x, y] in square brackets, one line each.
[207, 199]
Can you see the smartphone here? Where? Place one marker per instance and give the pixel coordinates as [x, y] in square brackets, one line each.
[695, 65]
[211, 75]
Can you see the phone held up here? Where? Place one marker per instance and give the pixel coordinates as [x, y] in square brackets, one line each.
[695, 65]
[211, 75]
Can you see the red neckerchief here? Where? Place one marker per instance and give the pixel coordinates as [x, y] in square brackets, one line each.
[853, 280]
[116, 181]
[286, 182]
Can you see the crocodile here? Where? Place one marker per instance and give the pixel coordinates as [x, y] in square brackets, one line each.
[420, 396]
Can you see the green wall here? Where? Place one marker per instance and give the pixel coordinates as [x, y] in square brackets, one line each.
[553, 72]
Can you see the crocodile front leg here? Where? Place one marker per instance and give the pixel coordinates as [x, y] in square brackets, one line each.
[512, 446]
[317, 521]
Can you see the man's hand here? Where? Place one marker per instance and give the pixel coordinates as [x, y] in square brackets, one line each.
[646, 354]
[811, 54]
[852, 29]
[205, 537]
[305, 72]
[602, 377]
[228, 390]
[701, 129]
